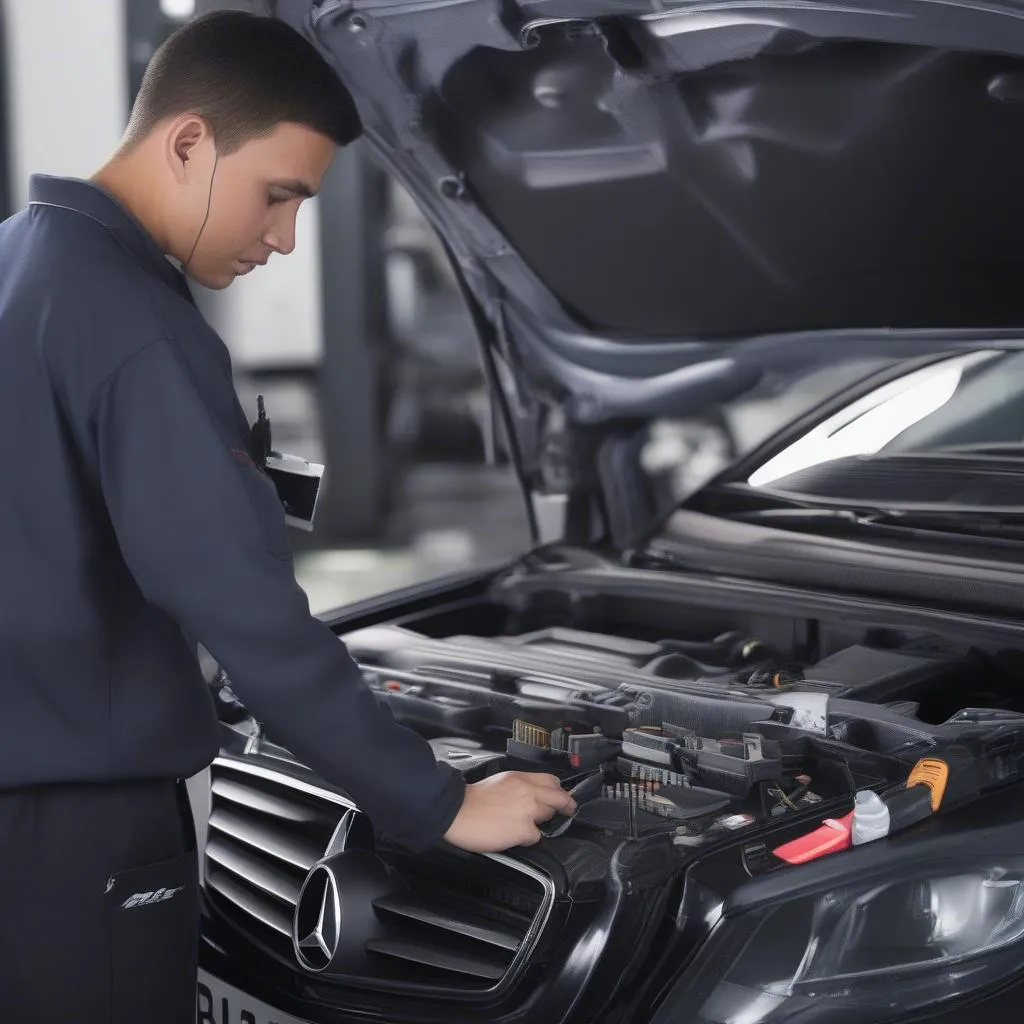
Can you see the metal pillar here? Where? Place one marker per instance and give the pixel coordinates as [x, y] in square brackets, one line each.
[353, 205]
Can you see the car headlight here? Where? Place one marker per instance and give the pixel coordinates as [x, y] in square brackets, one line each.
[867, 951]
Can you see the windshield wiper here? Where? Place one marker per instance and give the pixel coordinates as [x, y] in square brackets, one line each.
[966, 522]
[1009, 449]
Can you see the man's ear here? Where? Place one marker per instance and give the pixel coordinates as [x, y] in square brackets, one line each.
[185, 143]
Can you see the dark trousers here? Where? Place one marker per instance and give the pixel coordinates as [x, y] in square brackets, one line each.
[99, 905]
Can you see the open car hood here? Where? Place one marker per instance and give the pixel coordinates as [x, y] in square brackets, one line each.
[654, 205]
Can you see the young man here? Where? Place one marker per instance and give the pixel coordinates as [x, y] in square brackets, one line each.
[135, 522]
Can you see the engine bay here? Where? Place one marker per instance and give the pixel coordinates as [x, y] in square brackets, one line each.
[696, 722]
[696, 738]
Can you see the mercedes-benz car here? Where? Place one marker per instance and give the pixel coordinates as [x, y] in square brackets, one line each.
[789, 698]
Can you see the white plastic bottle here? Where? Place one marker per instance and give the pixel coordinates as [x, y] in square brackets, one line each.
[870, 818]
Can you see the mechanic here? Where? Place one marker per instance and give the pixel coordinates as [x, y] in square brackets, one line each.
[136, 523]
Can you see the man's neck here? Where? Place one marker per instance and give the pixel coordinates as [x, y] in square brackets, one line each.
[128, 180]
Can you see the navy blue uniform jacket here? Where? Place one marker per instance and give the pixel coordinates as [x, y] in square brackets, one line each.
[132, 519]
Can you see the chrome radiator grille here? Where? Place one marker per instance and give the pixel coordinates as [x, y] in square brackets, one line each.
[264, 838]
[467, 931]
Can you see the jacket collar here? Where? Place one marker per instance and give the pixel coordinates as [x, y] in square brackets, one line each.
[97, 204]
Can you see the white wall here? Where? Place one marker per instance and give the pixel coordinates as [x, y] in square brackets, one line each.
[67, 82]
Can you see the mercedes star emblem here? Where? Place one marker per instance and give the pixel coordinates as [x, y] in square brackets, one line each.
[317, 926]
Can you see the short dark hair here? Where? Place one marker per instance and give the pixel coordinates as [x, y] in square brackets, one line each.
[244, 74]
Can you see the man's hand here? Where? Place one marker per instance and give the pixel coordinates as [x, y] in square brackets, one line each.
[504, 811]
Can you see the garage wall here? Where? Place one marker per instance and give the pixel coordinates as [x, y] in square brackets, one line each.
[67, 83]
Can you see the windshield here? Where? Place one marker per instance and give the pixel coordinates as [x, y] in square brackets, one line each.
[968, 404]
[967, 400]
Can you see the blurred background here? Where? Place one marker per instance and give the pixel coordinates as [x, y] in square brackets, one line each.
[359, 340]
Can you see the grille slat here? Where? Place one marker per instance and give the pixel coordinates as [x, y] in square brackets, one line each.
[292, 849]
[450, 961]
[438, 915]
[264, 910]
[286, 808]
[251, 869]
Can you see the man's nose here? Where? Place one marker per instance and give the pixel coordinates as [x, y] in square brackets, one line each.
[280, 235]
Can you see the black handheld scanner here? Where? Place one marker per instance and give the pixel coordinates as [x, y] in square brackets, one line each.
[296, 480]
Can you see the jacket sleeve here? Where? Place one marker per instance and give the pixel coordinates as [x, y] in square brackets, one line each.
[202, 531]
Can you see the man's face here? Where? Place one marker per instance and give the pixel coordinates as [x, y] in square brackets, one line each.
[254, 201]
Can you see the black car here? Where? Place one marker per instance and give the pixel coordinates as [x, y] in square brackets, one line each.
[791, 703]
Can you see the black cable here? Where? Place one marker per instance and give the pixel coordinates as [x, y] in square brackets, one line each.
[209, 203]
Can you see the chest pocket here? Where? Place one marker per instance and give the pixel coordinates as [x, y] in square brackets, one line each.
[265, 504]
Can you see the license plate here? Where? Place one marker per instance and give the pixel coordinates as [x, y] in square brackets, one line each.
[220, 1003]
